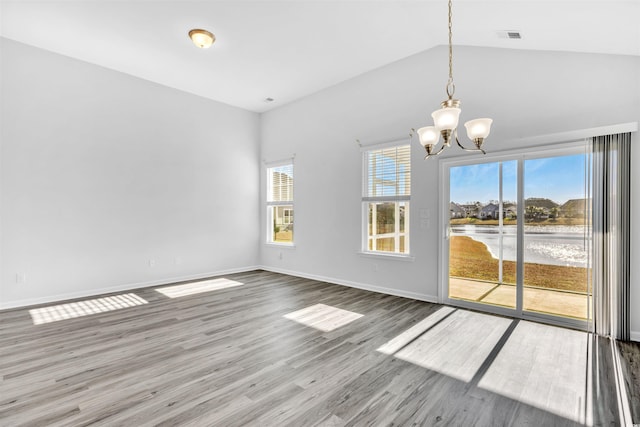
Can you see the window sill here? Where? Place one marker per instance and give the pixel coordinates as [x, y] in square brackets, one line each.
[281, 245]
[382, 255]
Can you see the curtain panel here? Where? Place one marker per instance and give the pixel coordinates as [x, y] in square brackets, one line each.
[611, 235]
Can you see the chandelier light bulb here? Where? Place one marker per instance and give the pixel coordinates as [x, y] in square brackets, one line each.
[446, 118]
[478, 128]
[428, 135]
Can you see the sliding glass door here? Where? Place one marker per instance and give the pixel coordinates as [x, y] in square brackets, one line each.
[518, 235]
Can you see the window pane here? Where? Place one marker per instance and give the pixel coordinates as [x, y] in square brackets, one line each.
[557, 236]
[386, 218]
[482, 248]
[389, 172]
[280, 186]
[386, 244]
[282, 223]
[386, 225]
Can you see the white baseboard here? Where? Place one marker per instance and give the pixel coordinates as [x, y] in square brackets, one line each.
[635, 336]
[119, 288]
[363, 286]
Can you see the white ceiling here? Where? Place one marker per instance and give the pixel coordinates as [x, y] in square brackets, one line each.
[289, 49]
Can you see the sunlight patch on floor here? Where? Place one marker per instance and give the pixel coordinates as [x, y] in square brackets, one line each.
[323, 317]
[545, 367]
[71, 310]
[458, 345]
[192, 288]
[410, 335]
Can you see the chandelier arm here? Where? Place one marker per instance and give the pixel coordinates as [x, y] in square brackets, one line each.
[469, 149]
[436, 153]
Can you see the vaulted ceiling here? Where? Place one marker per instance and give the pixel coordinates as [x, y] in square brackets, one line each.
[288, 49]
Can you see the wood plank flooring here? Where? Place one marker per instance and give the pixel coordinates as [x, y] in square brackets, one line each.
[630, 352]
[278, 350]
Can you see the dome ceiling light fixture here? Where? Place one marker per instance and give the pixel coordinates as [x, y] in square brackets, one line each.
[202, 38]
[446, 119]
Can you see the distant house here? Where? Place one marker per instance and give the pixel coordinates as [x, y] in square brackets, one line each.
[472, 210]
[456, 211]
[490, 211]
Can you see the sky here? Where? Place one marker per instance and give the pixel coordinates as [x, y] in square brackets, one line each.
[556, 178]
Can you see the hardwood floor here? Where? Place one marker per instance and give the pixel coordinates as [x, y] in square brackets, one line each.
[630, 352]
[267, 349]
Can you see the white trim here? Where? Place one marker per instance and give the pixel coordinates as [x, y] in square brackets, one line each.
[281, 245]
[554, 138]
[533, 152]
[382, 199]
[387, 255]
[385, 144]
[280, 162]
[635, 336]
[357, 285]
[119, 288]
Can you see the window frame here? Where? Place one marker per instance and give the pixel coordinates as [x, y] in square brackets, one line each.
[287, 205]
[398, 200]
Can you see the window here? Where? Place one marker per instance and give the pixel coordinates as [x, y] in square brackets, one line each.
[385, 201]
[280, 204]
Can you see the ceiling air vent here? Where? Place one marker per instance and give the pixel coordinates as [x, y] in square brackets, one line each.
[509, 34]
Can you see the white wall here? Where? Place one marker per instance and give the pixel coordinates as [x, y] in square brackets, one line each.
[102, 172]
[528, 94]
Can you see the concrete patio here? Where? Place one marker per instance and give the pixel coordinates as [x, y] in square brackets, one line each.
[549, 301]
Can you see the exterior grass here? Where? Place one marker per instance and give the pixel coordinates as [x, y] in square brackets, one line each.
[471, 259]
[509, 221]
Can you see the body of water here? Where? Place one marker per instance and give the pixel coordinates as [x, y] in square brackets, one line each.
[557, 244]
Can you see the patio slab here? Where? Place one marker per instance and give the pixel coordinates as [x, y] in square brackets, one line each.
[548, 301]
[469, 289]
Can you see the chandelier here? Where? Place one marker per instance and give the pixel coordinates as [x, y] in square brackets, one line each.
[445, 119]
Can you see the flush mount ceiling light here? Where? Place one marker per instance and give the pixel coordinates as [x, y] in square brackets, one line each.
[446, 119]
[202, 38]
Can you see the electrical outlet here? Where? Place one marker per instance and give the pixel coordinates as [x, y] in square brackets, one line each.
[177, 260]
[21, 277]
[152, 263]
[280, 255]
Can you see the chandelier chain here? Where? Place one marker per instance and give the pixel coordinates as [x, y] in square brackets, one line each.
[450, 46]
[451, 88]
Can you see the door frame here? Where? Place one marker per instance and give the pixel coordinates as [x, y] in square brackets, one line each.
[555, 150]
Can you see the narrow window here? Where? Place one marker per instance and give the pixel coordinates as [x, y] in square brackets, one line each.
[386, 197]
[280, 204]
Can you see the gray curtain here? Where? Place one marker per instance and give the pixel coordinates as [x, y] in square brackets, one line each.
[611, 235]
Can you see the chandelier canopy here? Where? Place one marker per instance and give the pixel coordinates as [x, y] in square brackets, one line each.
[445, 120]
